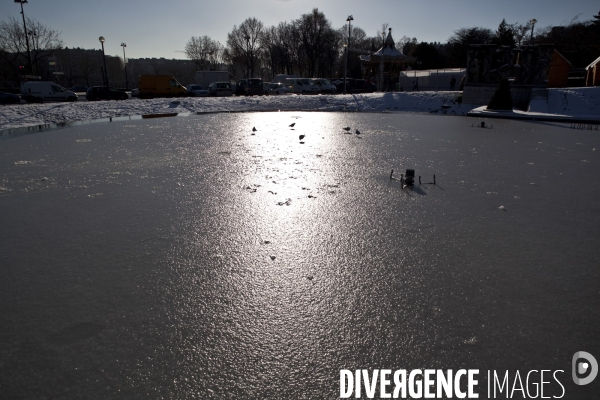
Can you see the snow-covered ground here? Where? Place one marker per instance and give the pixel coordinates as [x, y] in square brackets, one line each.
[560, 102]
[568, 101]
[572, 104]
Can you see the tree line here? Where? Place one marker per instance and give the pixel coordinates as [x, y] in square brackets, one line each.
[308, 46]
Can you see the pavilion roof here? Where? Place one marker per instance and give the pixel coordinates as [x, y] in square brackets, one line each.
[389, 50]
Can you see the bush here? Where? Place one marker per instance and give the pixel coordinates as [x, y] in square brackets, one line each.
[501, 100]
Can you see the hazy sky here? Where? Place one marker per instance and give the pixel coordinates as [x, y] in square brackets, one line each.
[153, 28]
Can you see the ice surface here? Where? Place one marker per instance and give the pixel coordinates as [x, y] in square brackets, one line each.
[141, 267]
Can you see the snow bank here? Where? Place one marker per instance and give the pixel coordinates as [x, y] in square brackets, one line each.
[562, 102]
[51, 113]
[568, 101]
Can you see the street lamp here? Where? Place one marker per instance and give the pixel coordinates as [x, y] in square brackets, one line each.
[33, 36]
[26, 36]
[248, 75]
[203, 54]
[101, 39]
[532, 22]
[382, 52]
[345, 64]
[349, 20]
[125, 62]
[347, 49]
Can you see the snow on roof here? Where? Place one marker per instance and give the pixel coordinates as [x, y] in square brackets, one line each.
[389, 49]
[593, 63]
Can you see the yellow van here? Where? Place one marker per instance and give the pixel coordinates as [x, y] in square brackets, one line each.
[151, 86]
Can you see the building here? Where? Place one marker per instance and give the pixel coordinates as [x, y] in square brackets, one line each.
[384, 65]
[558, 71]
[592, 76]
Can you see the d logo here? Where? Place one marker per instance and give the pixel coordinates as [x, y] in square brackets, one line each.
[590, 364]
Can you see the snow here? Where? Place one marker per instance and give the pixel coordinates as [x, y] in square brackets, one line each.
[567, 105]
[569, 101]
[560, 103]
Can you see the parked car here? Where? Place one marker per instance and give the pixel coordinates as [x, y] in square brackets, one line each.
[265, 86]
[197, 90]
[79, 88]
[220, 89]
[135, 92]
[339, 84]
[39, 91]
[249, 87]
[278, 88]
[105, 93]
[324, 85]
[302, 86]
[280, 78]
[9, 98]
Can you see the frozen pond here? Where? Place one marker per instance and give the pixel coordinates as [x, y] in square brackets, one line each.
[185, 257]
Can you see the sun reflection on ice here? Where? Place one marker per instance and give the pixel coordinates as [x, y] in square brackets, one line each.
[289, 162]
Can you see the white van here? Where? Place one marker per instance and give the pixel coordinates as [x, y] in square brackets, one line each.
[301, 86]
[324, 85]
[280, 78]
[36, 92]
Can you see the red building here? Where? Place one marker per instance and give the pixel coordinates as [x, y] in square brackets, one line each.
[558, 70]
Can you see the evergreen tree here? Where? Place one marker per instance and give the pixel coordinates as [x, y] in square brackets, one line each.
[596, 19]
[428, 56]
[504, 35]
[461, 39]
[501, 100]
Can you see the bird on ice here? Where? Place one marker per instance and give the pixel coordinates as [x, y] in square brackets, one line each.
[357, 132]
[254, 129]
[301, 137]
[292, 125]
[346, 128]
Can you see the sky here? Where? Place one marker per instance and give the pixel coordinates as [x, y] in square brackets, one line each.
[152, 28]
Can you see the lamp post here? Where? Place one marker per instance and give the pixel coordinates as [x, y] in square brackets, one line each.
[101, 39]
[33, 36]
[26, 36]
[125, 62]
[203, 54]
[382, 52]
[532, 22]
[247, 50]
[346, 50]
[345, 64]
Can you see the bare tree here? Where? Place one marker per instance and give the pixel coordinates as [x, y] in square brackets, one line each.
[404, 40]
[520, 31]
[316, 32]
[244, 41]
[292, 41]
[271, 49]
[43, 42]
[359, 39]
[384, 28]
[202, 49]
[215, 58]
